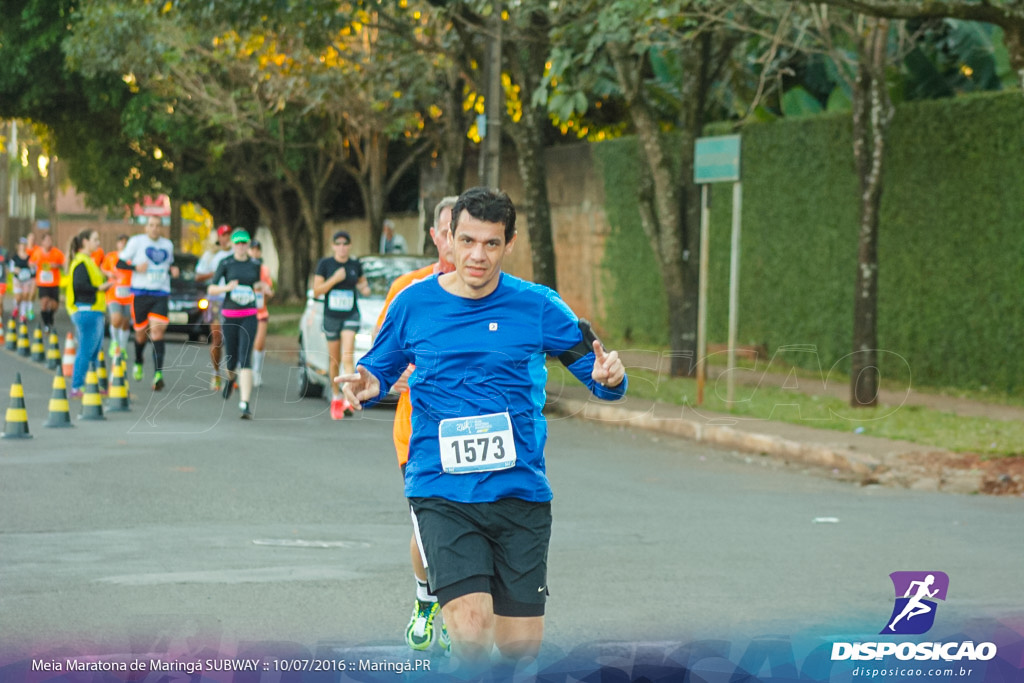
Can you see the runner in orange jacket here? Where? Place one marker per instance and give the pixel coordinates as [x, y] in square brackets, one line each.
[419, 634]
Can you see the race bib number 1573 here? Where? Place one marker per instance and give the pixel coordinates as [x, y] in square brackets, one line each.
[480, 443]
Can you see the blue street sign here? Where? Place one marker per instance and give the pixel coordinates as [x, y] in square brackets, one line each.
[717, 159]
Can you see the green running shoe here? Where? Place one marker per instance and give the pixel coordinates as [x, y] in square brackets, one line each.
[420, 631]
[158, 381]
[443, 641]
[137, 372]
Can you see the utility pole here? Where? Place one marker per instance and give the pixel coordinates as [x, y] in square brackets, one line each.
[490, 157]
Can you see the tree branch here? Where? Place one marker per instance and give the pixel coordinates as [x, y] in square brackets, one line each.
[897, 9]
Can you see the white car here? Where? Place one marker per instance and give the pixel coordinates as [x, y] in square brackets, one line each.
[380, 271]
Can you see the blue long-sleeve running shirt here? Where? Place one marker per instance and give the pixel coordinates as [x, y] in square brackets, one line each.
[478, 358]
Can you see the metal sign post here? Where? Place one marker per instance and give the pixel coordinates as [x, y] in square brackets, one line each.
[717, 159]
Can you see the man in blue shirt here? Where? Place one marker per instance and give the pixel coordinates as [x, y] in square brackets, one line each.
[476, 479]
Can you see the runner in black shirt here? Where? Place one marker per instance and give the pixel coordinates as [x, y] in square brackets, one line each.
[238, 278]
[337, 280]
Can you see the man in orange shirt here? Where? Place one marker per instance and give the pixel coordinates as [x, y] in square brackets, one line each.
[119, 300]
[419, 634]
[48, 261]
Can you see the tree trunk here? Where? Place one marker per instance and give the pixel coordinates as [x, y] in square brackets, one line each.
[661, 205]
[51, 197]
[872, 114]
[1013, 37]
[377, 156]
[533, 174]
[699, 60]
[288, 229]
[526, 61]
[451, 156]
[175, 232]
[293, 259]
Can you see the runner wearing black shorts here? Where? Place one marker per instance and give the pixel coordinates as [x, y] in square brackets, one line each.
[150, 257]
[499, 548]
[339, 280]
[476, 476]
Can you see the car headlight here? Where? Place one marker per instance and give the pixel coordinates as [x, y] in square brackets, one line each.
[204, 304]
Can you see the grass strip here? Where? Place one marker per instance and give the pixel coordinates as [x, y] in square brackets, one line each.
[912, 423]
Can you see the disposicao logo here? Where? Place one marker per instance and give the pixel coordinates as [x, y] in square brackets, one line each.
[916, 593]
[914, 614]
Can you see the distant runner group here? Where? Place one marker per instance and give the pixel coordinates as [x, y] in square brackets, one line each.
[131, 287]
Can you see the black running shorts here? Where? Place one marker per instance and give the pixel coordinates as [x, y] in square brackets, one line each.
[146, 307]
[499, 548]
[333, 326]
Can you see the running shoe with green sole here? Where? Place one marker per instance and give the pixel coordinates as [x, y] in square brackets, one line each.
[137, 372]
[420, 632]
[443, 640]
[158, 381]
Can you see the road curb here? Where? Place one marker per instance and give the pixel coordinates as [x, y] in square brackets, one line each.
[871, 460]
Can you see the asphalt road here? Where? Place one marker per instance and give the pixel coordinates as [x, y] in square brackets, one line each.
[178, 525]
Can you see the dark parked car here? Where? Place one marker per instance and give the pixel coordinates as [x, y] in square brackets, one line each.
[188, 300]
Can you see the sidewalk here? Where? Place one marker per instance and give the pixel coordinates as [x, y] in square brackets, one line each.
[867, 459]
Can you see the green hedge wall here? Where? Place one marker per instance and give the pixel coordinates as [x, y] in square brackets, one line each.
[635, 301]
[951, 246]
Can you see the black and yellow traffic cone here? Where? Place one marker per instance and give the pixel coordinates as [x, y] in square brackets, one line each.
[60, 413]
[23, 343]
[101, 373]
[53, 357]
[11, 339]
[16, 424]
[37, 347]
[92, 402]
[123, 361]
[117, 398]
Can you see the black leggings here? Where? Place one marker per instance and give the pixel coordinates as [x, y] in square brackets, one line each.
[239, 336]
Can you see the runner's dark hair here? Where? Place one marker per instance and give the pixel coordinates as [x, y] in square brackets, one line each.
[489, 205]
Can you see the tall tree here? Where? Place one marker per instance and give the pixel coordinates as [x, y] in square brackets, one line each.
[273, 103]
[525, 49]
[85, 116]
[378, 82]
[201, 98]
[872, 115]
[664, 69]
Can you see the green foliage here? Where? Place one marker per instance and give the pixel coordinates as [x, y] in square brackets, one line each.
[951, 251]
[798, 102]
[954, 56]
[86, 113]
[951, 244]
[635, 310]
[798, 239]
